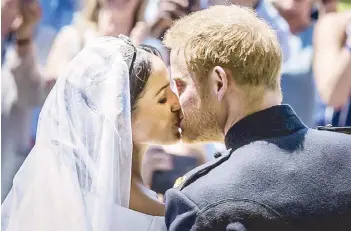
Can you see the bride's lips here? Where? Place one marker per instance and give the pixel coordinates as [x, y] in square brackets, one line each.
[178, 124]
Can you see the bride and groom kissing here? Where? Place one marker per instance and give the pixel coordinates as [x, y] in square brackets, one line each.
[114, 99]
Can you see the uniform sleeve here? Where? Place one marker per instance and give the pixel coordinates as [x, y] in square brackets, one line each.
[182, 214]
[180, 211]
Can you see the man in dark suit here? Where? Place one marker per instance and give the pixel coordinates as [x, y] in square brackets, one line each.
[277, 174]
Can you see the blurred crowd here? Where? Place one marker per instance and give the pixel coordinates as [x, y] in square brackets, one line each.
[40, 37]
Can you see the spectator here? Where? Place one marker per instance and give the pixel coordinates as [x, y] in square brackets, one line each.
[164, 164]
[323, 7]
[56, 14]
[170, 10]
[327, 6]
[21, 91]
[297, 77]
[97, 18]
[9, 12]
[160, 15]
[332, 67]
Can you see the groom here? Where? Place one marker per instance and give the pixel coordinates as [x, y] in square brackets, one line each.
[277, 174]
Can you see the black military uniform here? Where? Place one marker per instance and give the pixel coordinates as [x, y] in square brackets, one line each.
[277, 176]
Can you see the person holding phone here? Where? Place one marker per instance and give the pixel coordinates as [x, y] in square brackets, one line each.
[170, 10]
[163, 165]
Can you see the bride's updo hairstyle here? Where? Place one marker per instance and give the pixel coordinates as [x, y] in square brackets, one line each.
[140, 71]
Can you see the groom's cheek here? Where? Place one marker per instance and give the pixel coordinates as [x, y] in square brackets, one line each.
[189, 100]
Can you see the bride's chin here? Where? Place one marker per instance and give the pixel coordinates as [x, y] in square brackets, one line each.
[173, 137]
[177, 135]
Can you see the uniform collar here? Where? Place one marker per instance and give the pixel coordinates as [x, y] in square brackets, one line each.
[275, 121]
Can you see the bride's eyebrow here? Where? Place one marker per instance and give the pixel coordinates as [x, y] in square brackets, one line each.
[165, 86]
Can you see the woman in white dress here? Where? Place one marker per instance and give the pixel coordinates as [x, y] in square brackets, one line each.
[84, 172]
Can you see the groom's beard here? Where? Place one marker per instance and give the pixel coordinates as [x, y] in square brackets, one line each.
[200, 124]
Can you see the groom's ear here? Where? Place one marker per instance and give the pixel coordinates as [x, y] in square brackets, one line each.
[220, 82]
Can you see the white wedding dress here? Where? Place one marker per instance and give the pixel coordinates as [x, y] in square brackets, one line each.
[130, 220]
[78, 175]
[122, 219]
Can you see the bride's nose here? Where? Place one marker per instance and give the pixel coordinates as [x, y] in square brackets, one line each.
[174, 102]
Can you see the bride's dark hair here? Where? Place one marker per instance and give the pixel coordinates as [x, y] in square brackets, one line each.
[140, 71]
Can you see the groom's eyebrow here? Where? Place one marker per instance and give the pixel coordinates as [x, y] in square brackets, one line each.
[165, 86]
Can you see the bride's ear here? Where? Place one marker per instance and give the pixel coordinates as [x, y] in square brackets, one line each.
[219, 79]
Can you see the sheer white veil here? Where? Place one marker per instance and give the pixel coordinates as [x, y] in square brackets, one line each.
[80, 166]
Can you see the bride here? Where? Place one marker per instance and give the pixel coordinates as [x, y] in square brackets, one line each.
[84, 173]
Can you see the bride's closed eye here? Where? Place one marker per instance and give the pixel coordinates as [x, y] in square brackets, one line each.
[162, 100]
[163, 94]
